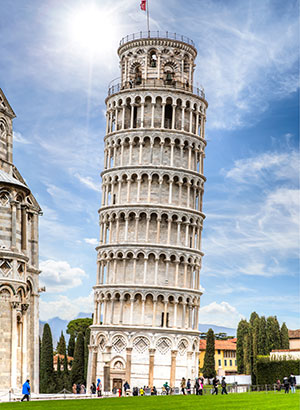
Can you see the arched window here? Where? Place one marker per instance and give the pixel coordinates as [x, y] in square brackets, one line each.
[152, 58]
[138, 75]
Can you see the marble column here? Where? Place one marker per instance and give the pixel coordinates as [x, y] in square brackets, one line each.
[128, 365]
[173, 368]
[151, 366]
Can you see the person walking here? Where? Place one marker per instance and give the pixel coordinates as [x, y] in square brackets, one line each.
[292, 381]
[93, 388]
[188, 386]
[223, 384]
[167, 387]
[183, 385]
[99, 388]
[278, 385]
[26, 390]
[286, 384]
[126, 387]
[215, 384]
[197, 385]
[201, 381]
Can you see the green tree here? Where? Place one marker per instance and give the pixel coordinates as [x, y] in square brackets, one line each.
[47, 380]
[66, 382]
[247, 350]
[284, 337]
[255, 333]
[61, 345]
[253, 316]
[77, 372]
[59, 376]
[79, 325]
[209, 357]
[273, 333]
[86, 351]
[242, 331]
[262, 343]
[71, 345]
[40, 349]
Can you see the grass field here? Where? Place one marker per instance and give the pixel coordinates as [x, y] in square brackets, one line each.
[244, 401]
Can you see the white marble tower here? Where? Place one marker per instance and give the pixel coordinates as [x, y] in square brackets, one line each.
[147, 294]
[19, 268]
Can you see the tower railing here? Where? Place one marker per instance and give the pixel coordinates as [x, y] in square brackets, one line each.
[156, 34]
[159, 83]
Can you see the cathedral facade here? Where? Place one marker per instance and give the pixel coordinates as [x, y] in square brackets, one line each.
[147, 292]
[19, 268]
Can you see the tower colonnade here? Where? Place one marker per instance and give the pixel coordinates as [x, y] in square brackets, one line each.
[147, 292]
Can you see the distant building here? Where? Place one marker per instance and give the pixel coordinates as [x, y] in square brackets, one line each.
[292, 354]
[225, 356]
[294, 338]
[19, 268]
[61, 358]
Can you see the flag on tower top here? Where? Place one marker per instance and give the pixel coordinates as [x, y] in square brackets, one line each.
[143, 5]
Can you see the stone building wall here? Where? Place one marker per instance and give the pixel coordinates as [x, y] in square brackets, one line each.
[19, 343]
[147, 293]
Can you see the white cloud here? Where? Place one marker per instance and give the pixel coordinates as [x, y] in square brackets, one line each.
[91, 241]
[283, 166]
[65, 308]
[59, 276]
[246, 59]
[18, 137]
[220, 314]
[88, 181]
[250, 227]
[251, 233]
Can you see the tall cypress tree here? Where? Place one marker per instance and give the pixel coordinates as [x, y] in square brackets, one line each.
[71, 345]
[209, 357]
[247, 350]
[40, 349]
[273, 333]
[77, 372]
[284, 337]
[277, 339]
[255, 333]
[61, 345]
[47, 381]
[242, 330]
[263, 343]
[66, 382]
[253, 316]
[86, 351]
[59, 376]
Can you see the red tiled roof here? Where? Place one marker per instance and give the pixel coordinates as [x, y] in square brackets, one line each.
[294, 334]
[61, 357]
[220, 345]
[286, 350]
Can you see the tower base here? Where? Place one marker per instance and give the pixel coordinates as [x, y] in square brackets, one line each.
[142, 357]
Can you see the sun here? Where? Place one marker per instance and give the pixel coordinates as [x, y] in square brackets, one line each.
[90, 28]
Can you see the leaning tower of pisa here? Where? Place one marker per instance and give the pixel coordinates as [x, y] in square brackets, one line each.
[147, 294]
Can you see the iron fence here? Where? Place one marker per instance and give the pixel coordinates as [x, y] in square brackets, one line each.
[177, 85]
[156, 34]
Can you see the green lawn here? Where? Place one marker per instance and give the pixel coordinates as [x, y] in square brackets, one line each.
[244, 401]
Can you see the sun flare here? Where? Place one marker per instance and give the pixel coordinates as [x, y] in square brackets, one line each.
[90, 28]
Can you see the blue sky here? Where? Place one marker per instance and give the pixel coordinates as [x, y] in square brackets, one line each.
[57, 59]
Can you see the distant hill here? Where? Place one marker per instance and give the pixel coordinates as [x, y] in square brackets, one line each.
[217, 329]
[57, 325]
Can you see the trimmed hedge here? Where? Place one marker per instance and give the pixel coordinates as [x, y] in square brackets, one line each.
[270, 370]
